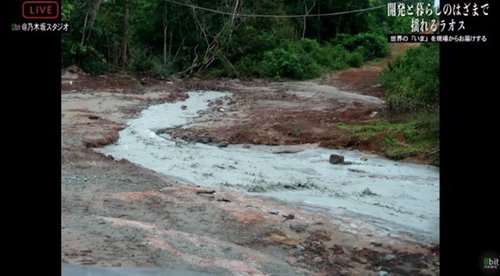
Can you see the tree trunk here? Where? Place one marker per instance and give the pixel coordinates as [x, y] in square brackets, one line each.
[126, 27]
[93, 17]
[307, 12]
[84, 29]
[165, 27]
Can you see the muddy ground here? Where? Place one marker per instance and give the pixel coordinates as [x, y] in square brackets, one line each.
[118, 214]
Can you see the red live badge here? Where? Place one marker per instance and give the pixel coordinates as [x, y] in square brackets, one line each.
[40, 10]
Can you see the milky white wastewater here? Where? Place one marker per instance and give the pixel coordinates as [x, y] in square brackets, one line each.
[404, 195]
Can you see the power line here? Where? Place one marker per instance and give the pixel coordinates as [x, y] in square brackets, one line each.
[273, 15]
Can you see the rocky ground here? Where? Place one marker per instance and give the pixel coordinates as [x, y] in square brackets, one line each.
[118, 214]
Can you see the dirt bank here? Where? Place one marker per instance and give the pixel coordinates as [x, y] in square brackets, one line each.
[118, 214]
[291, 113]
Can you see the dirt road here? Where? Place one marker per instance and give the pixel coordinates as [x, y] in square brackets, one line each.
[118, 214]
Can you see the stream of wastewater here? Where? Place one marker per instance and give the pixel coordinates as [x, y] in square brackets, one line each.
[394, 195]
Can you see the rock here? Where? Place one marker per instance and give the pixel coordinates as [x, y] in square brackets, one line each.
[73, 69]
[383, 273]
[291, 260]
[204, 140]
[355, 170]
[344, 272]
[223, 200]
[368, 192]
[298, 227]
[288, 217]
[221, 109]
[246, 146]
[256, 189]
[389, 257]
[300, 258]
[199, 192]
[89, 262]
[281, 151]
[364, 158]
[376, 244]
[71, 73]
[183, 107]
[337, 249]
[223, 144]
[336, 159]
[283, 239]
[317, 260]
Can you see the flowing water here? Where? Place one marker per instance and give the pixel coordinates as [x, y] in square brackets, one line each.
[393, 195]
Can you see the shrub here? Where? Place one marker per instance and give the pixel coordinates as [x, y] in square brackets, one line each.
[140, 60]
[374, 46]
[280, 63]
[94, 66]
[412, 80]
[86, 57]
[355, 59]
[160, 70]
[248, 67]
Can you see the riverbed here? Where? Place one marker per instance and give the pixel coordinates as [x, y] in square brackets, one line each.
[395, 196]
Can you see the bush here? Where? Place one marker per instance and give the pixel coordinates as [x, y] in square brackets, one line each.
[280, 63]
[160, 70]
[412, 80]
[86, 57]
[248, 67]
[94, 66]
[140, 60]
[355, 59]
[334, 57]
[373, 45]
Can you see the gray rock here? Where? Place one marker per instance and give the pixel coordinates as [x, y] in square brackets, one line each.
[317, 260]
[389, 257]
[383, 273]
[298, 227]
[368, 192]
[291, 260]
[223, 144]
[336, 159]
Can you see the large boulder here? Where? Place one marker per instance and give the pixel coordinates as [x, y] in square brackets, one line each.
[336, 159]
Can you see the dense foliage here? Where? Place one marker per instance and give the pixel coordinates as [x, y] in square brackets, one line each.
[162, 38]
[412, 80]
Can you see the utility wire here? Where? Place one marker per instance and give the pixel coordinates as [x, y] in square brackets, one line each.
[273, 15]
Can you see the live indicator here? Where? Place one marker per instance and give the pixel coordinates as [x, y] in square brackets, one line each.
[40, 10]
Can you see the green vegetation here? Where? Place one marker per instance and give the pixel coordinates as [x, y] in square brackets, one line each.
[412, 80]
[412, 94]
[163, 38]
[401, 138]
